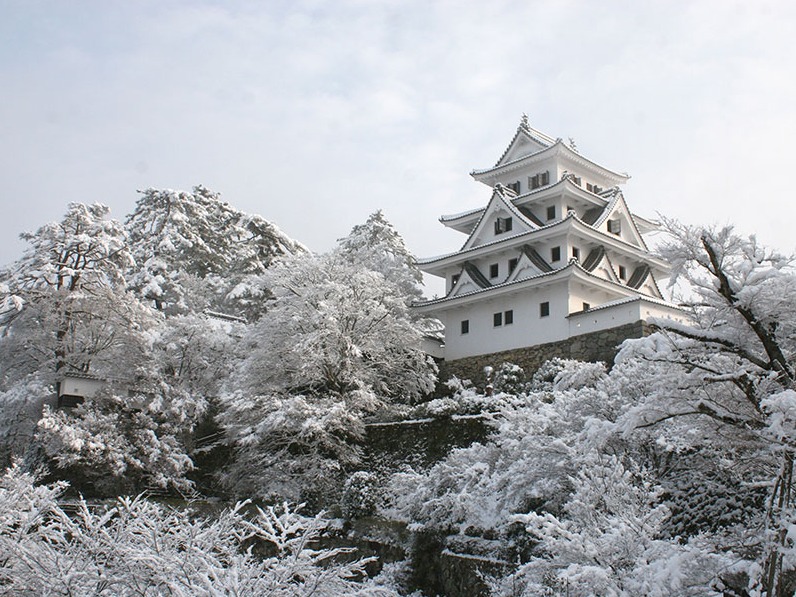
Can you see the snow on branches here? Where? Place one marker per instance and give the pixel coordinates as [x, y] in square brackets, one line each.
[137, 547]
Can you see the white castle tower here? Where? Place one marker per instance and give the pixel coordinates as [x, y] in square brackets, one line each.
[555, 254]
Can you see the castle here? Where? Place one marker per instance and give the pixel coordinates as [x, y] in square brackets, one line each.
[555, 255]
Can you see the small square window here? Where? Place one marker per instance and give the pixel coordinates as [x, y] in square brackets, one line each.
[622, 272]
[465, 326]
[494, 270]
[576, 252]
[551, 212]
[508, 317]
[515, 186]
[586, 306]
[513, 264]
[615, 226]
[503, 225]
[544, 309]
[497, 319]
[555, 254]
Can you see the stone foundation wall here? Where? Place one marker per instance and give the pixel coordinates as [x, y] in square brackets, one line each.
[595, 346]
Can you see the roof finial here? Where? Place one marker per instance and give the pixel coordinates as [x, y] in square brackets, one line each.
[524, 121]
[572, 144]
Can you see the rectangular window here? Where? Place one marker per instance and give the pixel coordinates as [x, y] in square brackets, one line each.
[508, 317]
[503, 225]
[513, 264]
[497, 320]
[576, 252]
[465, 326]
[586, 306]
[515, 186]
[615, 226]
[622, 272]
[589, 187]
[539, 180]
[551, 212]
[544, 309]
[555, 254]
[576, 180]
[494, 270]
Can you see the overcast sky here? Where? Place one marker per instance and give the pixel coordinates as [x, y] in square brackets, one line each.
[315, 114]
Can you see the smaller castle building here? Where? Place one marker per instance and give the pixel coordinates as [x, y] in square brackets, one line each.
[555, 254]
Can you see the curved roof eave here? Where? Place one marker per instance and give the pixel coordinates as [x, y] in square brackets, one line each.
[558, 146]
[626, 300]
[537, 155]
[572, 268]
[447, 298]
[612, 240]
[541, 191]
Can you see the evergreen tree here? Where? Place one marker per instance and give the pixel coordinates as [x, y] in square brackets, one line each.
[195, 252]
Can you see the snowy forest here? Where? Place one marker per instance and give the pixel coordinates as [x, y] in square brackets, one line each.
[264, 421]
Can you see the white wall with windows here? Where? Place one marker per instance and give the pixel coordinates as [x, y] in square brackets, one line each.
[506, 322]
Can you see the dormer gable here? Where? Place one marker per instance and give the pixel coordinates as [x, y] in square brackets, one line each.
[617, 220]
[470, 279]
[643, 281]
[526, 141]
[529, 265]
[597, 263]
[500, 219]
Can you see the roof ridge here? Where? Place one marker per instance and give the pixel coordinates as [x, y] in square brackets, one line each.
[534, 134]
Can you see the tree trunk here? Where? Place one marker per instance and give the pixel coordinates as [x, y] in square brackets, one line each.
[774, 581]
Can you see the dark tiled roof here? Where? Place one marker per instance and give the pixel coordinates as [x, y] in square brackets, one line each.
[592, 215]
[639, 275]
[536, 259]
[593, 259]
[476, 275]
[528, 214]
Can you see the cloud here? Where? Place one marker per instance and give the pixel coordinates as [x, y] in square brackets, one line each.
[316, 114]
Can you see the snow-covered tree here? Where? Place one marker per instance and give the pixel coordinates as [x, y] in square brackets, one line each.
[20, 409]
[72, 314]
[196, 252]
[377, 246]
[64, 300]
[526, 464]
[607, 541]
[334, 327]
[138, 432]
[730, 372]
[136, 547]
[336, 344]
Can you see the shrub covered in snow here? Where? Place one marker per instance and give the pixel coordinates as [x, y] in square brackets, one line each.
[362, 495]
[136, 547]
